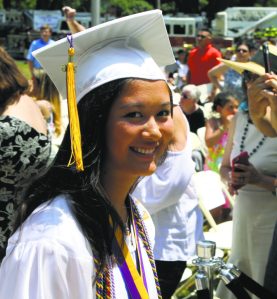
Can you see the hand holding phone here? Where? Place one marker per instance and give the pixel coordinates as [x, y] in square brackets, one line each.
[266, 57]
[242, 158]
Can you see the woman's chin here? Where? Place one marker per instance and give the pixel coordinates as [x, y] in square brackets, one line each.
[149, 170]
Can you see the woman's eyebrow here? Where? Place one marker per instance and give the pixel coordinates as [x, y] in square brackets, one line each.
[141, 105]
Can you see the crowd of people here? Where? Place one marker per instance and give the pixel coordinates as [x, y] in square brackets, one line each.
[99, 201]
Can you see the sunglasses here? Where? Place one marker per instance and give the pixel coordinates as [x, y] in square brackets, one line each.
[242, 50]
[184, 96]
[201, 36]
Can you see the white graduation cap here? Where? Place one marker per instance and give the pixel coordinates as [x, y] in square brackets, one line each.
[135, 46]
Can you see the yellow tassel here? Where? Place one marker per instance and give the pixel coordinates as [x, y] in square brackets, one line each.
[75, 134]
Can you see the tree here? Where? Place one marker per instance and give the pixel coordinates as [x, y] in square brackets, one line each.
[126, 7]
[17, 4]
[56, 4]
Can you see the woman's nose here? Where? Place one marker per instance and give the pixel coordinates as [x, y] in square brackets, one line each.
[151, 129]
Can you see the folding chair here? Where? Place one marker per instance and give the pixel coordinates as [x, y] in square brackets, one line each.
[212, 192]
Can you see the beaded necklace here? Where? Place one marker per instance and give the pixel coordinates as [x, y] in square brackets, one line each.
[242, 145]
[104, 282]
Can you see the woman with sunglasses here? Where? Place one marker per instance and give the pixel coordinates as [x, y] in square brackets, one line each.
[189, 104]
[228, 80]
[254, 184]
[262, 97]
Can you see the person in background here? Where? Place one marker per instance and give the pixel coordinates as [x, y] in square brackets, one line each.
[189, 103]
[216, 136]
[202, 58]
[228, 80]
[255, 210]
[228, 53]
[170, 197]
[24, 144]
[81, 234]
[34, 66]
[262, 95]
[182, 68]
[49, 101]
[226, 106]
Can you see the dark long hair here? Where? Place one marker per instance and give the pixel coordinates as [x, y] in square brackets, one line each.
[90, 204]
[221, 99]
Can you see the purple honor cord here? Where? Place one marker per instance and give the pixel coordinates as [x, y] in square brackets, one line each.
[132, 289]
[139, 251]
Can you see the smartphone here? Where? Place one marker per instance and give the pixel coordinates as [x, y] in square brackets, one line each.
[266, 57]
[242, 158]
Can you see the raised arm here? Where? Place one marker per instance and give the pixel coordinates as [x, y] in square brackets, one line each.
[215, 75]
[262, 101]
[72, 24]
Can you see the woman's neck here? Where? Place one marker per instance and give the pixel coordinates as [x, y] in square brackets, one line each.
[118, 188]
[191, 109]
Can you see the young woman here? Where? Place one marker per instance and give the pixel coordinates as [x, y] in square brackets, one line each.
[81, 234]
[232, 80]
[216, 136]
[254, 214]
[226, 106]
[170, 196]
[24, 144]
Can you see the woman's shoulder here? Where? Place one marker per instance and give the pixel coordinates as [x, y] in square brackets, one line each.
[27, 111]
[142, 209]
[213, 122]
[52, 222]
[15, 132]
[147, 220]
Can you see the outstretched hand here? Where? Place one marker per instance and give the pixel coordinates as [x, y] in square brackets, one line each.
[69, 12]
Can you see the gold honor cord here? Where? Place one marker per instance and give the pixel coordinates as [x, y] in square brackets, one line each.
[131, 266]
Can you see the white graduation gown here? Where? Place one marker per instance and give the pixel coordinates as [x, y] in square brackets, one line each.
[51, 259]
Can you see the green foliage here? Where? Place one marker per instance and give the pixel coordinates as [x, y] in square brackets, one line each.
[168, 7]
[272, 3]
[126, 7]
[16, 4]
[203, 3]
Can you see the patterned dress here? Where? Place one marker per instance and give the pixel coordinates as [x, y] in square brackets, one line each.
[233, 84]
[23, 154]
[215, 154]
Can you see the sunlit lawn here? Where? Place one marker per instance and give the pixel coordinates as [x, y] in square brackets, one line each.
[23, 66]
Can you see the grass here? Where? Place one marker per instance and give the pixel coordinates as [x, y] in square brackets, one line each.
[23, 67]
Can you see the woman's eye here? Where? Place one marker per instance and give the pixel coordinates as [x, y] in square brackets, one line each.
[164, 113]
[133, 115]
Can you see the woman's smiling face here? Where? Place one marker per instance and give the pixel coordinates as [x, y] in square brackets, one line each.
[139, 128]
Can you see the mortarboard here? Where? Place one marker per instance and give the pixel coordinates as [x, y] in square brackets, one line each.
[135, 46]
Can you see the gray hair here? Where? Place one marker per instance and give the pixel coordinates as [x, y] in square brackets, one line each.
[193, 90]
